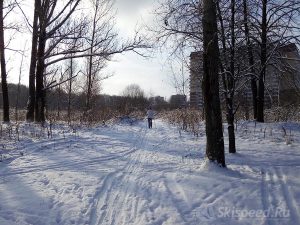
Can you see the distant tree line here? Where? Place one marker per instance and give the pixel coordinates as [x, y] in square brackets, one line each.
[131, 99]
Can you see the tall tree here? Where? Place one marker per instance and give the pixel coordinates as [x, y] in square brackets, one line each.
[231, 82]
[210, 85]
[70, 87]
[250, 58]
[101, 32]
[3, 67]
[228, 68]
[32, 67]
[19, 87]
[49, 25]
[263, 63]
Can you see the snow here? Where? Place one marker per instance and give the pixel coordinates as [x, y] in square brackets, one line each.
[125, 173]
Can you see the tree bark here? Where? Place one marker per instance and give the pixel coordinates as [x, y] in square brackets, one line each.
[58, 102]
[231, 83]
[40, 92]
[32, 68]
[251, 60]
[3, 68]
[230, 122]
[263, 62]
[89, 84]
[213, 116]
[70, 90]
[228, 76]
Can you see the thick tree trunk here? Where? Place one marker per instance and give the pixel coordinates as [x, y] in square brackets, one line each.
[3, 68]
[251, 60]
[32, 68]
[40, 92]
[263, 62]
[213, 116]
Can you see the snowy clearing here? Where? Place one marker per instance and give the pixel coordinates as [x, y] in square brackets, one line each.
[128, 174]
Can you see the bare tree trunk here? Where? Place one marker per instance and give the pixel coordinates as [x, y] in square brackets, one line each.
[90, 59]
[40, 92]
[32, 68]
[210, 85]
[228, 75]
[70, 90]
[231, 84]
[58, 102]
[17, 99]
[263, 61]
[89, 82]
[19, 88]
[251, 60]
[3, 68]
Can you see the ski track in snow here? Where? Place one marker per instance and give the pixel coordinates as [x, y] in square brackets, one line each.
[276, 193]
[132, 175]
[109, 193]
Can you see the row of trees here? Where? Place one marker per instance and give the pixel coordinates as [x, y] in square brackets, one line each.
[240, 40]
[60, 35]
[60, 101]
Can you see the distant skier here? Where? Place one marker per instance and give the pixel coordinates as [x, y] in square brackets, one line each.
[150, 116]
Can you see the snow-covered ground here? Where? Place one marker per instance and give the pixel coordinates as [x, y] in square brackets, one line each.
[128, 174]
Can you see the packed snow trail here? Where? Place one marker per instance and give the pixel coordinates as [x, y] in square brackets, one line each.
[129, 174]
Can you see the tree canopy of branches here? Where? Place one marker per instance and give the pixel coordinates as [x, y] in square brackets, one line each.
[56, 25]
[134, 97]
[255, 28]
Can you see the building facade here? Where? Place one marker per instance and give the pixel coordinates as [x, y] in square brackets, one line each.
[282, 81]
[178, 101]
[196, 75]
